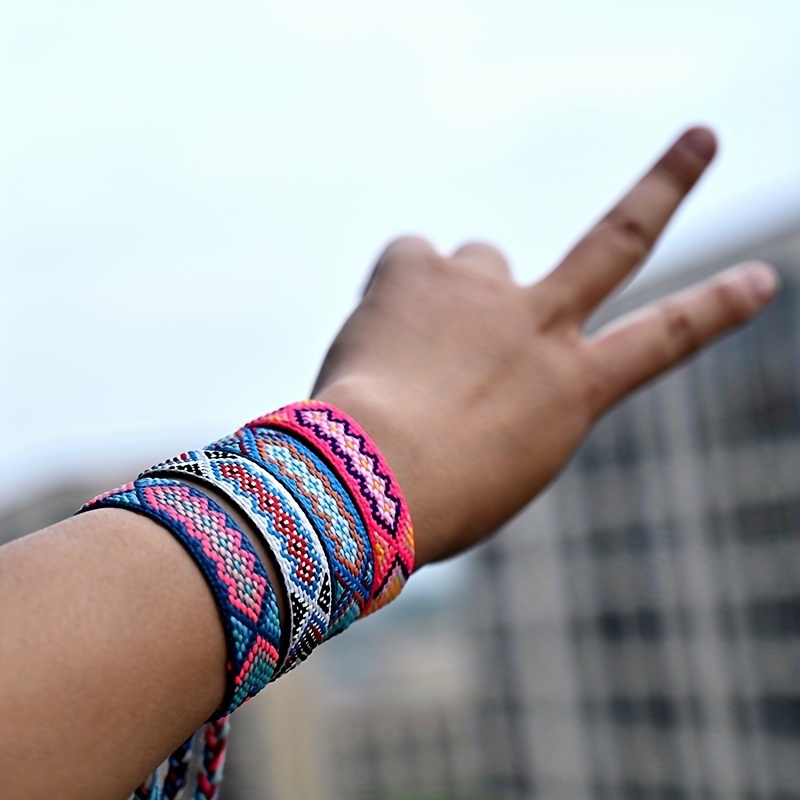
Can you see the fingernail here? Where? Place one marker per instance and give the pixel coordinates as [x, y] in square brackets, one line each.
[763, 282]
[701, 142]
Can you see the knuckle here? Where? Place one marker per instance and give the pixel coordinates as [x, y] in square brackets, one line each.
[554, 304]
[402, 254]
[478, 245]
[598, 391]
[628, 235]
[404, 249]
[483, 251]
[683, 336]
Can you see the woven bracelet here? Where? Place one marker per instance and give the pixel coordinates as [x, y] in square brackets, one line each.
[284, 529]
[326, 503]
[245, 598]
[354, 457]
[313, 484]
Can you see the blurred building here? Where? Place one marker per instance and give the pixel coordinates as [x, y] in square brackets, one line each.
[640, 623]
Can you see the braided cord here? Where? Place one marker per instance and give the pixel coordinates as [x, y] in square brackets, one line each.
[150, 789]
[214, 751]
[177, 770]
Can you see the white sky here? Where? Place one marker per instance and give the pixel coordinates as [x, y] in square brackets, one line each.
[192, 193]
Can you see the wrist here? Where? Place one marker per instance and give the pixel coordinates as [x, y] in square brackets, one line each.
[355, 458]
[392, 428]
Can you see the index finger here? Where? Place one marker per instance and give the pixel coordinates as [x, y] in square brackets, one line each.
[621, 240]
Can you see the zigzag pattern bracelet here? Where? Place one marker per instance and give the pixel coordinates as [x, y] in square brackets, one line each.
[285, 530]
[237, 578]
[328, 506]
[358, 462]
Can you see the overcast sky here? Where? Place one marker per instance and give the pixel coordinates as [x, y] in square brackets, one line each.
[192, 193]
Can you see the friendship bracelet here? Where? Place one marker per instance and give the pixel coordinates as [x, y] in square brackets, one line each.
[215, 747]
[329, 507]
[318, 491]
[358, 462]
[178, 769]
[285, 530]
[245, 598]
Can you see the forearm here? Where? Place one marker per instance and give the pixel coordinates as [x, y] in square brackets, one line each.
[111, 655]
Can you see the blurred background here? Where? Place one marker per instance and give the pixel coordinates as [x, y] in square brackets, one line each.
[191, 196]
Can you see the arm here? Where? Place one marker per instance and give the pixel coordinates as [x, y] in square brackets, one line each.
[476, 389]
[111, 655]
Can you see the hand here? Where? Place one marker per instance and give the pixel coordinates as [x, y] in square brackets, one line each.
[478, 390]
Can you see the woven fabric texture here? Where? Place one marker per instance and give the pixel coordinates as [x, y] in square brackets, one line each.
[316, 489]
[285, 530]
[245, 599]
[329, 507]
[355, 458]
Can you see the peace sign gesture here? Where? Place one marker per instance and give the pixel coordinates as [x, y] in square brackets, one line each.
[478, 390]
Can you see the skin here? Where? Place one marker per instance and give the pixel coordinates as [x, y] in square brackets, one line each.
[476, 389]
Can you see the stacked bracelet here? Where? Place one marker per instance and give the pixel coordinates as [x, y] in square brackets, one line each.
[284, 529]
[237, 578]
[355, 458]
[328, 506]
[314, 487]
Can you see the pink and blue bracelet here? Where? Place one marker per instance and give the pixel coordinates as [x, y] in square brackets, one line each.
[313, 486]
